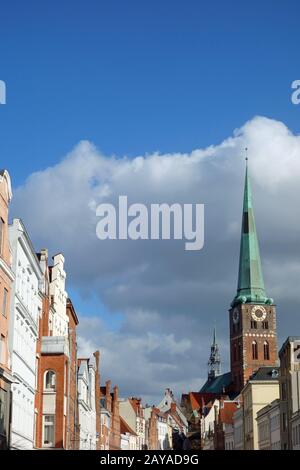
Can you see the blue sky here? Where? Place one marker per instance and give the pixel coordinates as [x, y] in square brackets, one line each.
[139, 76]
[136, 77]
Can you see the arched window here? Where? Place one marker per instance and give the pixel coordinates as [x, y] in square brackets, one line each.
[266, 351]
[50, 380]
[254, 350]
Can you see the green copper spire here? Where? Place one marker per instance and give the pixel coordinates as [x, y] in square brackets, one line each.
[250, 282]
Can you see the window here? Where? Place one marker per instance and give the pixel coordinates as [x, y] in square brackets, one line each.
[50, 380]
[4, 303]
[254, 350]
[266, 351]
[49, 431]
[3, 411]
[265, 325]
[253, 325]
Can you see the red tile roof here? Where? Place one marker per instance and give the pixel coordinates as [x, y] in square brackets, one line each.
[199, 400]
[124, 427]
[226, 412]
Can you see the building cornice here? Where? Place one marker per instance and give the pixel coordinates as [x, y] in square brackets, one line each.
[7, 269]
[6, 375]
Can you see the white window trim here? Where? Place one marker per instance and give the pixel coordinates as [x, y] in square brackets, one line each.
[52, 444]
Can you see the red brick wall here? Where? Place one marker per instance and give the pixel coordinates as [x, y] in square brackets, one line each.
[115, 434]
[242, 363]
[72, 412]
[57, 364]
[152, 431]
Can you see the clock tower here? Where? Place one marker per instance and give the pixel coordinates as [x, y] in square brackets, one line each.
[252, 316]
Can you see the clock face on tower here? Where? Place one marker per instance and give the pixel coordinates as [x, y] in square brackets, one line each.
[235, 316]
[258, 313]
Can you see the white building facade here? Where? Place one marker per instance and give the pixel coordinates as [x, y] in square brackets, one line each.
[228, 436]
[58, 318]
[163, 431]
[26, 305]
[238, 429]
[87, 404]
[295, 424]
[268, 423]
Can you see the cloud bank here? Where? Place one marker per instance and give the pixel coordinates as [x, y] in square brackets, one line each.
[169, 297]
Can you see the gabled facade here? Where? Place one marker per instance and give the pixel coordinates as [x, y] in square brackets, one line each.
[132, 411]
[56, 360]
[128, 436]
[6, 279]
[87, 404]
[172, 409]
[25, 311]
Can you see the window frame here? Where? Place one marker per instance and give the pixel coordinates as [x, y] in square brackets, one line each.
[266, 351]
[254, 347]
[50, 389]
[48, 424]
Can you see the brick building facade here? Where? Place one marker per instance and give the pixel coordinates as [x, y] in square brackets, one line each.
[110, 437]
[56, 413]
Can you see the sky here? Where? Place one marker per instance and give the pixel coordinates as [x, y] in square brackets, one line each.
[156, 100]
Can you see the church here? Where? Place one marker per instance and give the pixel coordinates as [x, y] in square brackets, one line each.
[252, 317]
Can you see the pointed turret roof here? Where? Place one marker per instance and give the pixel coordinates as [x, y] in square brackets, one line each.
[215, 336]
[214, 362]
[250, 286]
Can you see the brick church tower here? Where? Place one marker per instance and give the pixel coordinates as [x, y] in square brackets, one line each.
[252, 316]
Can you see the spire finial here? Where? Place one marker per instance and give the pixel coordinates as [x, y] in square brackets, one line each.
[246, 153]
[215, 333]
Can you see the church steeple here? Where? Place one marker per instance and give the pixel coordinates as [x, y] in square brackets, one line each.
[250, 286]
[214, 362]
[252, 316]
